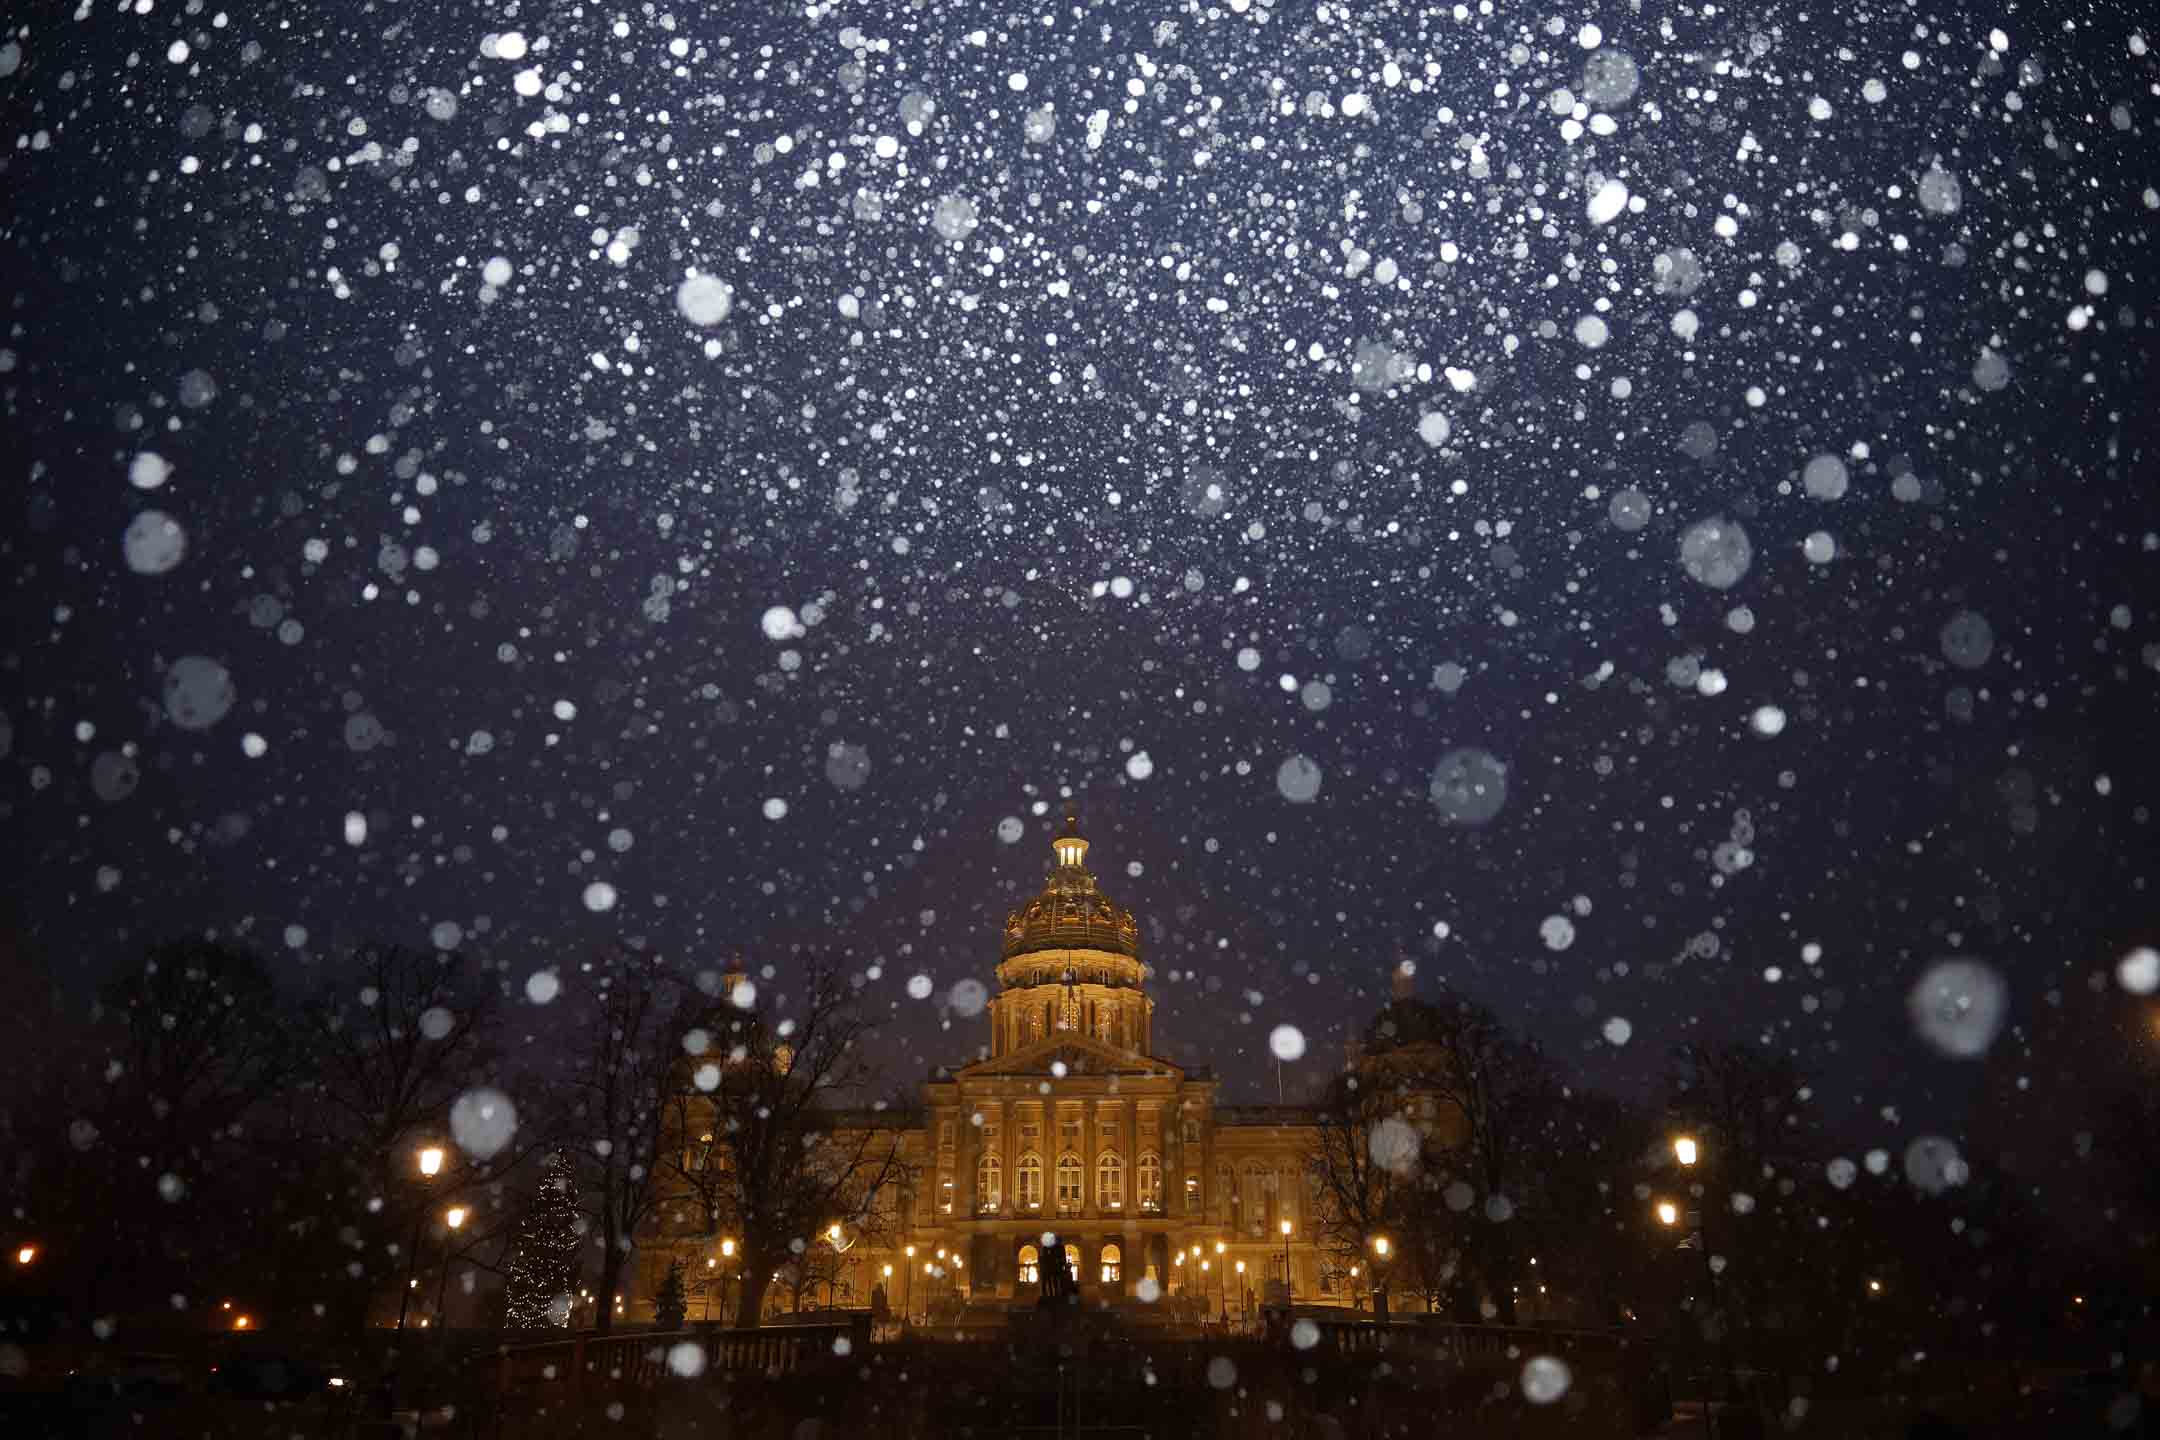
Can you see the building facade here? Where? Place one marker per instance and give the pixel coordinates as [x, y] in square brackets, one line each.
[1073, 1129]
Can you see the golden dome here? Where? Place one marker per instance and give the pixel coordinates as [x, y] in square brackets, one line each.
[1070, 913]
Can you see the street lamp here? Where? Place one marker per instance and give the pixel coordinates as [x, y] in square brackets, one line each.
[26, 1255]
[1380, 1250]
[431, 1158]
[1685, 1150]
[1668, 1215]
[727, 1252]
[430, 1163]
[907, 1301]
[455, 1219]
[1289, 1286]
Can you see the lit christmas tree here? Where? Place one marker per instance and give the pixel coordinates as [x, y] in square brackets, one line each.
[541, 1276]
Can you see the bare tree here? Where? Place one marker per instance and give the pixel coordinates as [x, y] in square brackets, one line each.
[1503, 1089]
[760, 1146]
[393, 1043]
[390, 1044]
[634, 1015]
[1750, 1109]
[154, 1166]
[1389, 1144]
[1431, 1139]
[1749, 1105]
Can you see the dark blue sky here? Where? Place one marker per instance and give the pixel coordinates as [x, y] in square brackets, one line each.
[1293, 386]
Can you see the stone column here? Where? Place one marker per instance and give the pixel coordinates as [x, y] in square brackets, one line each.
[1090, 1126]
[1211, 1203]
[965, 1148]
[1009, 1158]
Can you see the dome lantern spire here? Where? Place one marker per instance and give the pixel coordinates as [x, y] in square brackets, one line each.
[1071, 849]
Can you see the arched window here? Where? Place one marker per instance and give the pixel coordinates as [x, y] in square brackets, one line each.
[989, 1182]
[1030, 1264]
[1150, 1194]
[1027, 1182]
[1259, 1210]
[1112, 1257]
[1110, 1182]
[1069, 1180]
[1072, 1259]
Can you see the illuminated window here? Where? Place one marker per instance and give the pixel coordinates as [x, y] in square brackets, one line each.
[1070, 1178]
[1150, 1182]
[1110, 1182]
[1030, 1263]
[1112, 1257]
[1192, 1194]
[1027, 1182]
[989, 1182]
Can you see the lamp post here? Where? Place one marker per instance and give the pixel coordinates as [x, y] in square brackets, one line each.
[431, 1159]
[907, 1299]
[727, 1252]
[1289, 1285]
[836, 1236]
[1222, 1281]
[455, 1219]
[430, 1163]
[1380, 1250]
[1689, 1153]
[1669, 1215]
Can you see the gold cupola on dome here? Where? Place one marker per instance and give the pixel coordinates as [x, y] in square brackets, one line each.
[1071, 967]
[1070, 913]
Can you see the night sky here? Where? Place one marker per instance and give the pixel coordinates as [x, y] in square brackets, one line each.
[525, 478]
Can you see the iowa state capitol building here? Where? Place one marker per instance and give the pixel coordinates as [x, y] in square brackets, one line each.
[1073, 1126]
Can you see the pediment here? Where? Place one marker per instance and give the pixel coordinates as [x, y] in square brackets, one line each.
[1078, 1054]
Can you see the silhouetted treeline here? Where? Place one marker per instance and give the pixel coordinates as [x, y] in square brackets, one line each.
[1507, 1194]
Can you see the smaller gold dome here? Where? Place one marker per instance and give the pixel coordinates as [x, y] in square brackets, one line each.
[1070, 913]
